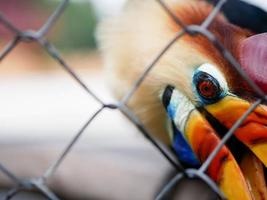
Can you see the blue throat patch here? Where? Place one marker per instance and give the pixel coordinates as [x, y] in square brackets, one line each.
[182, 149]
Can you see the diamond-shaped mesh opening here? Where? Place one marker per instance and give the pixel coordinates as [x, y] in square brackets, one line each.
[116, 152]
[76, 110]
[72, 34]
[40, 101]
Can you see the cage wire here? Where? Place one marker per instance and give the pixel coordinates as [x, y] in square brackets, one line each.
[39, 36]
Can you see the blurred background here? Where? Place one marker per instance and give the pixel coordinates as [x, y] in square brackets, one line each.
[42, 107]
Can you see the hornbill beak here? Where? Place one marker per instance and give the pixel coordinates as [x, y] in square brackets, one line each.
[197, 128]
[252, 157]
[238, 173]
[253, 130]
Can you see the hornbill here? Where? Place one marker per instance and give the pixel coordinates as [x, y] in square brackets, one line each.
[193, 96]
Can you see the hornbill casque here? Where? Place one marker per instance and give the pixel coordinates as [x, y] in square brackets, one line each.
[193, 96]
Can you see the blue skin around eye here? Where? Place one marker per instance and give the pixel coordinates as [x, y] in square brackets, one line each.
[182, 149]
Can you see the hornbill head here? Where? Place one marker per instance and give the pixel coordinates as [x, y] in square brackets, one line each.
[194, 96]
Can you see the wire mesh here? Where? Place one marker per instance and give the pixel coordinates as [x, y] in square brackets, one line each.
[39, 36]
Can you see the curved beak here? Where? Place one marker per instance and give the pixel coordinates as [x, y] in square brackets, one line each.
[252, 132]
[224, 169]
[238, 180]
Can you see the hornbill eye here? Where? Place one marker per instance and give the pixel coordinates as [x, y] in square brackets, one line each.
[209, 84]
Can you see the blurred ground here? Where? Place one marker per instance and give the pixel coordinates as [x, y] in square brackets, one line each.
[42, 108]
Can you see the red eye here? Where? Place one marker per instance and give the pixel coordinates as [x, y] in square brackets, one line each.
[207, 89]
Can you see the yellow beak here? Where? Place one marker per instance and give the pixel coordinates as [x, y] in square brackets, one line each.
[239, 181]
[224, 169]
[252, 132]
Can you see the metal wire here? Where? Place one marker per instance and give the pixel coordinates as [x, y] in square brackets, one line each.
[39, 36]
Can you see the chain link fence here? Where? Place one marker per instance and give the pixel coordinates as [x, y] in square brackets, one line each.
[39, 36]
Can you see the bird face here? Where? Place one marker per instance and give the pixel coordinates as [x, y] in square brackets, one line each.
[194, 88]
[196, 129]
